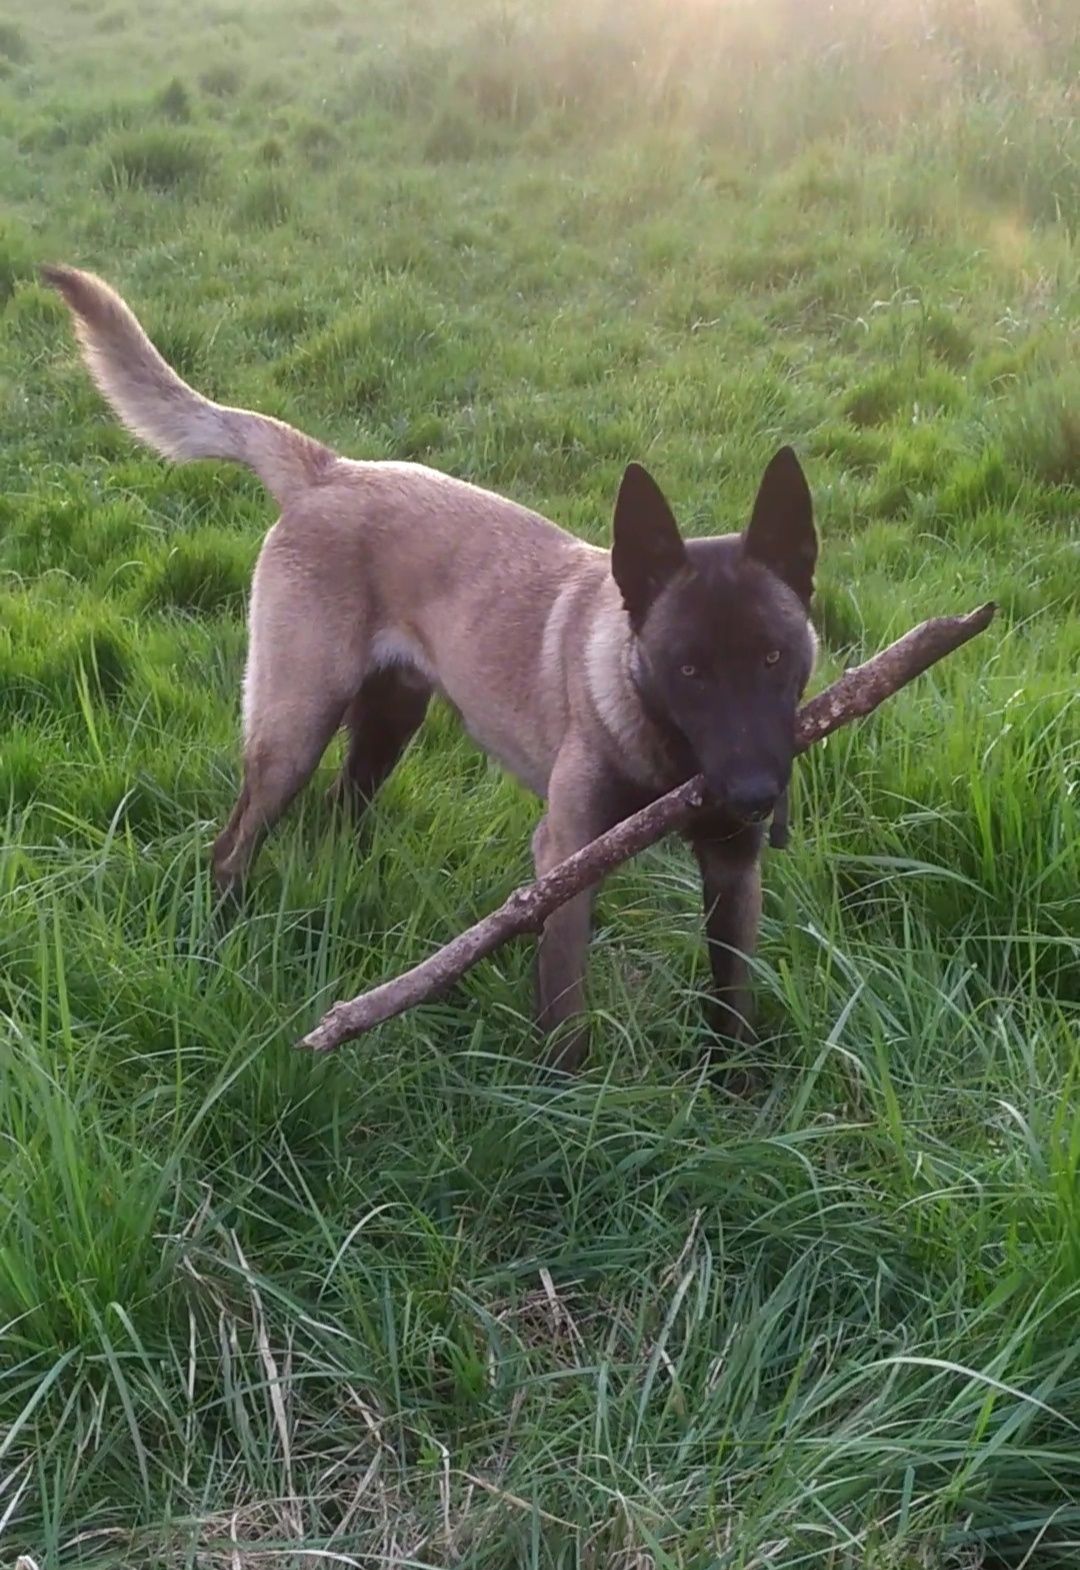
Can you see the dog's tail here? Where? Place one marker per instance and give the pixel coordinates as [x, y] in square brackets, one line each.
[158, 406]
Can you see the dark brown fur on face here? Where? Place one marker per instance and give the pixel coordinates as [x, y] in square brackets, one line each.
[601, 680]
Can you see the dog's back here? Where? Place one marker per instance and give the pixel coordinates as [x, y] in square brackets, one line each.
[372, 563]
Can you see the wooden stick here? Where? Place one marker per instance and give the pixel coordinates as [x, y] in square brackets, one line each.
[857, 693]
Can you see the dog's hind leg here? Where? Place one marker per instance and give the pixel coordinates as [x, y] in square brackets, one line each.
[279, 759]
[304, 665]
[381, 720]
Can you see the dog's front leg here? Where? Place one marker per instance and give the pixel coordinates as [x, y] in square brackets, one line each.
[575, 815]
[730, 862]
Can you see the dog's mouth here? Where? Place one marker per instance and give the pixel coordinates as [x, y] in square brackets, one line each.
[756, 814]
[749, 817]
[749, 808]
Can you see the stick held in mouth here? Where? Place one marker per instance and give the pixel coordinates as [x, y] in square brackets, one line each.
[857, 693]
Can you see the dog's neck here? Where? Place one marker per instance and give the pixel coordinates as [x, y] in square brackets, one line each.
[651, 750]
[675, 745]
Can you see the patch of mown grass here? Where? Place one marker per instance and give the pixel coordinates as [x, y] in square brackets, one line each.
[453, 135]
[55, 661]
[157, 160]
[1040, 429]
[265, 202]
[271, 150]
[420, 1301]
[74, 124]
[174, 101]
[13, 44]
[204, 571]
[918, 459]
[72, 531]
[393, 348]
[273, 324]
[223, 80]
[16, 260]
[316, 140]
[115, 20]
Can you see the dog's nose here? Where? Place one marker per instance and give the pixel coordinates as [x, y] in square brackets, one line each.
[753, 802]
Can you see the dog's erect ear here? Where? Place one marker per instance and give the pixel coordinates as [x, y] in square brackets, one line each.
[647, 550]
[780, 533]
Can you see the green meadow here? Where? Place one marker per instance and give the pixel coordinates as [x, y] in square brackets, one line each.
[420, 1304]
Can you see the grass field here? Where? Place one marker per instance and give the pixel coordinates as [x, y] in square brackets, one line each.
[419, 1305]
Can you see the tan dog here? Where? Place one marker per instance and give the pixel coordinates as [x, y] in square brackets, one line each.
[600, 679]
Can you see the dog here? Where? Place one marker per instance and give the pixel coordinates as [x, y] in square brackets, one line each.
[601, 679]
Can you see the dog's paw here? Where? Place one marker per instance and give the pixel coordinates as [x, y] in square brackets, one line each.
[340, 796]
[344, 798]
[739, 1081]
[567, 1049]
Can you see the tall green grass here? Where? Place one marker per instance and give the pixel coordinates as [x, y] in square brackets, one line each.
[420, 1304]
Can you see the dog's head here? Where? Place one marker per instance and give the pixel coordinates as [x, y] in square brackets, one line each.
[723, 646]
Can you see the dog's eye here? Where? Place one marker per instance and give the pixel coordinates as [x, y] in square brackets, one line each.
[688, 670]
[773, 657]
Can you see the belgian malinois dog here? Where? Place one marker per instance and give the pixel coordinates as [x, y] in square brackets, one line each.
[600, 679]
